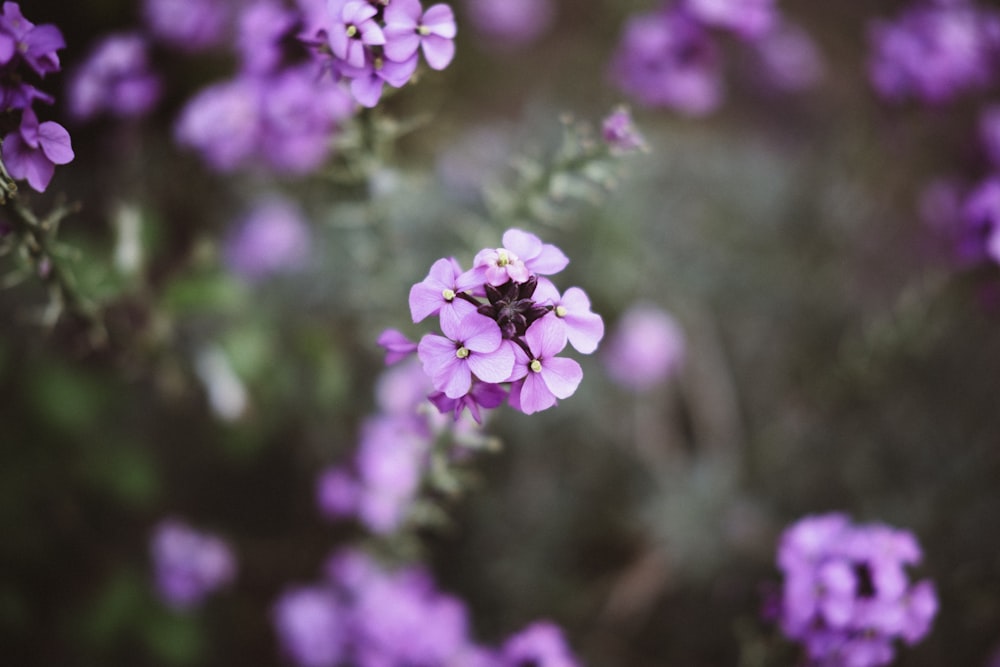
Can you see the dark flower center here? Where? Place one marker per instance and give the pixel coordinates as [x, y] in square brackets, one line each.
[512, 307]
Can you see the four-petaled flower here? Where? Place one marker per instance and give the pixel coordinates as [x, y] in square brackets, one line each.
[472, 345]
[522, 255]
[354, 28]
[584, 328]
[541, 377]
[32, 152]
[440, 293]
[408, 28]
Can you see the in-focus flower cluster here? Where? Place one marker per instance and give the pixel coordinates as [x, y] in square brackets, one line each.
[366, 615]
[935, 51]
[847, 596]
[504, 324]
[670, 57]
[371, 43]
[32, 151]
[189, 564]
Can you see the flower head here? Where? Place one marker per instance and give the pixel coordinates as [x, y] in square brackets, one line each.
[115, 79]
[646, 348]
[540, 376]
[473, 345]
[408, 28]
[189, 564]
[32, 152]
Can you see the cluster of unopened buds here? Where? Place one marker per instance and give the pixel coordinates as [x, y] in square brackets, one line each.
[504, 324]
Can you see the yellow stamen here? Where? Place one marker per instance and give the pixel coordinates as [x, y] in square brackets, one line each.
[448, 294]
[352, 30]
[423, 30]
[503, 259]
[535, 366]
[461, 353]
[560, 311]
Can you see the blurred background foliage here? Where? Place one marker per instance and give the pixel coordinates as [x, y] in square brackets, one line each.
[835, 361]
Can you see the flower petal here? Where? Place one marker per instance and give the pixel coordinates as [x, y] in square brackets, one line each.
[55, 142]
[438, 51]
[546, 337]
[523, 244]
[480, 333]
[492, 367]
[562, 376]
[440, 19]
[550, 260]
[534, 395]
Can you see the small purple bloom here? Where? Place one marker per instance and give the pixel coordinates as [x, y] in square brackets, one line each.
[396, 345]
[273, 239]
[542, 377]
[37, 45]
[482, 395]
[222, 122]
[980, 218]
[311, 626]
[522, 255]
[189, 564]
[260, 29]
[408, 28]
[666, 59]
[354, 28]
[189, 25]
[35, 149]
[438, 293]
[789, 58]
[115, 78]
[472, 346]
[390, 462]
[620, 133]
[367, 82]
[748, 18]
[511, 23]
[541, 644]
[584, 329]
[646, 348]
[337, 493]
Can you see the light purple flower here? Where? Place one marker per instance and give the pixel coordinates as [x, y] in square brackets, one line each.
[541, 377]
[847, 595]
[934, 52]
[541, 644]
[408, 28]
[115, 78]
[188, 25]
[666, 59]
[189, 564]
[32, 152]
[789, 58]
[980, 218]
[583, 328]
[368, 81]
[223, 122]
[646, 348]
[438, 293]
[482, 395]
[354, 28]
[748, 18]
[620, 133]
[473, 345]
[390, 461]
[35, 44]
[274, 238]
[396, 345]
[522, 255]
[312, 627]
[260, 29]
[511, 23]
[337, 493]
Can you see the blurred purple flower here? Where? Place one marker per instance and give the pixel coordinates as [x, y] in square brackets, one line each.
[222, 122]
[396, 345]
[188, 25]
[934, 52]
[368, 81]
[540, 644]
[980, 233]
[312, 627]
[35, 44]
[481, 395]
[646, 348]
[115, 78]
[847, 595]
[511, 23]
[189, 564]
[260, 29]
[789, 58]
[989, 133]
[274, 238]
[666, 59]
[390, 461]
[620, 133]
[33, 151]
[748, 18]
[408, 28]
[337, 493]
[354, 28]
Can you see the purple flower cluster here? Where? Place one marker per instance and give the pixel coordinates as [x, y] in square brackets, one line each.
[504, 324]
[935, 51]
[189, 564]
[368, 616]
[847, 596]
[370, 43]
[279, 110]
[115, 79]
[33, 150]
[670, 57]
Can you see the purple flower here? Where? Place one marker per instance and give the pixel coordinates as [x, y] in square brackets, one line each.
[37, 45]
[390, 461]
[439, 292]
[337, 493]
[367, 82]
[540, 644]
[934, 52]
[354, 28]
[667, 59]
[188, 564]
[980, 219]
[311, 626]
[522, 255]
[223, 122]
[584, 329]
[473, 345]
[114, 78]
[789, 58]
[408, 28]
[274, 238]
[396, 345]
[35, 149]
[511, 23]
[481, 395]
[989, 133]
[540, 376]
[748, 18]
[189, 25]
[646, 348]
[260, 29]
[620, 134]
[847, 595]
